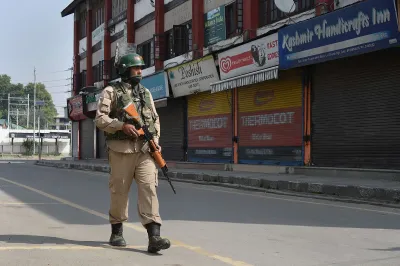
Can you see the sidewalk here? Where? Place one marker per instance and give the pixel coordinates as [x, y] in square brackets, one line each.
[351, 188]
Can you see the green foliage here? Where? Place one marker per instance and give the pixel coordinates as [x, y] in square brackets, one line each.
[28, 145]
[47, 113]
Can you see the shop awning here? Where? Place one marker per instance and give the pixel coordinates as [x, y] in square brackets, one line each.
[245, 80]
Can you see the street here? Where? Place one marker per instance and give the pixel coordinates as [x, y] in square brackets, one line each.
[56, 216]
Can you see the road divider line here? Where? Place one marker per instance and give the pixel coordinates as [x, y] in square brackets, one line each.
[197, 250]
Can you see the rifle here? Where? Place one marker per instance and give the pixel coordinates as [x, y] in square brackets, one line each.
[130, 109]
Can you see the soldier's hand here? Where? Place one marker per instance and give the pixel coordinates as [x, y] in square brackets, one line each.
[130, 130]
[158, 147]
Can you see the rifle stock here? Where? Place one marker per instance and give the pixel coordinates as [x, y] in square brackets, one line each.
[130, 109]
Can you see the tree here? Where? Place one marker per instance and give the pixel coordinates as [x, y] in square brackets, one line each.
[48, 111]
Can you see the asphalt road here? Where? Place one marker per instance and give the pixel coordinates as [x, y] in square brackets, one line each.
[55, 216]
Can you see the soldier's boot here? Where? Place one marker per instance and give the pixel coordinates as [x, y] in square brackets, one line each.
[156, 242]
[117, 238]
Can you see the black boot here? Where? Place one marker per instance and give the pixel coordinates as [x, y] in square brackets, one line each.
[156, 243]
[116, 238]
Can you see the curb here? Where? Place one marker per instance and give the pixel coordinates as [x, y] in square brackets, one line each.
[358, 194]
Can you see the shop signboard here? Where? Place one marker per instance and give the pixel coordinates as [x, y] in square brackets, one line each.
[210, 128]
[157, 84]
[75, 108]
[360, 28]
[193, 77]
[250, 57]
[214, 28]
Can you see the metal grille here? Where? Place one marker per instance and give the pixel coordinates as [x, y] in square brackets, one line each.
[172, 138]
[356, 112]
[210, 127]
[270, 121]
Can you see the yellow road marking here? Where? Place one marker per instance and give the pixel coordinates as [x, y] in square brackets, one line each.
[65, 247]
[197, 250]
[70, 247]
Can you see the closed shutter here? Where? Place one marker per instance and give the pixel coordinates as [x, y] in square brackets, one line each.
[270, 121]
[101, 145]
[75, 139]
[87, 138]
[172, 127]
[210, 127]
[356, 111]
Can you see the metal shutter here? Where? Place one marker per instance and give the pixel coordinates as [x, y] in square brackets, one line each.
[210, 127]
[87, 137]
[356, 111]
[270, 121]
[172, 127]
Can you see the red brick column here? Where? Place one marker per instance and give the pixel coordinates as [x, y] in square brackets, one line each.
[76, 54]
[160, 41]
[198, 27]
[107, 42]
[89, 29]
[130, 17]
[250, 17]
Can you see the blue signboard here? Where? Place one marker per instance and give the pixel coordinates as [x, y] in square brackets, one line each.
[157, 84]
[364, 27]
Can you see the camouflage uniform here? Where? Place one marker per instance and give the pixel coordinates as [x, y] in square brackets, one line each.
[129, 158]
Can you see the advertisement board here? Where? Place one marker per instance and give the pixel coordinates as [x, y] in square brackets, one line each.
[157, 84]
[250, 57]
[193, 77]
[75, 108]
[360, 28]
[210, 127]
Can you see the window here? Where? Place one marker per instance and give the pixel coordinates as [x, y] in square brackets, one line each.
[178, 40]
[82, 25]
[83, 80]
[98, 72]
[114, 74]
[118, 6]
[234, 18]
[98, 14]
[269, 13]
[146, 50]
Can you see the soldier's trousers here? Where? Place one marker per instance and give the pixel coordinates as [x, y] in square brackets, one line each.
[126, 167]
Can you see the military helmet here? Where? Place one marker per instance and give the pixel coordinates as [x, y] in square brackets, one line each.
[127, 61]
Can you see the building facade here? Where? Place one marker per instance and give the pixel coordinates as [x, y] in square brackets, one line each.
[242, 82]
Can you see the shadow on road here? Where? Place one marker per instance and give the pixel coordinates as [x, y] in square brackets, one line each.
[191, 203]
[41, 240]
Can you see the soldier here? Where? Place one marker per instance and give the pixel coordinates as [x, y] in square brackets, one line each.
[128, 152]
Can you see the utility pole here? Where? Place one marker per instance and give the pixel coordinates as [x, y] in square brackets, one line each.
[27, 117]
[8, 112]
[34, 109]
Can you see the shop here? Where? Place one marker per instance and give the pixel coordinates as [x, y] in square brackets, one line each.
[210, 127]
[171, 113]
[267, 104]
[205, 120]
[354, 84]
[75, 114]
[90, 98]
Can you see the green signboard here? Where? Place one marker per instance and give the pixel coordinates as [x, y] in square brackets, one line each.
[214, 29]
